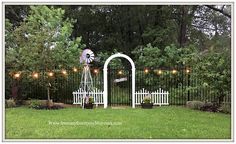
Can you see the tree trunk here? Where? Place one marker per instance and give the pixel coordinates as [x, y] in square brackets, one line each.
[129, 31]
[48, 89]
[183, 26]
[140, 31]
[221, 98]
[216, 30]
[49, 101]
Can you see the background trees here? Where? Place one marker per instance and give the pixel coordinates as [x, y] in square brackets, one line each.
[42, 42]
[155, 36]
[124, 28]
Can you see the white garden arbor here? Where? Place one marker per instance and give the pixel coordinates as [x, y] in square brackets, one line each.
[158, 97]
[105, 94]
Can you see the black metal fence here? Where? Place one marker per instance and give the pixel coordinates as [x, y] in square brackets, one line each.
[119, 86]
[178, 81]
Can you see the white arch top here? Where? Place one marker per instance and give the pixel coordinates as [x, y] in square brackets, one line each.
[105, 97]
[119, 55]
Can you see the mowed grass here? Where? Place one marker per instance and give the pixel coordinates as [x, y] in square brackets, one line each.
[167, 122]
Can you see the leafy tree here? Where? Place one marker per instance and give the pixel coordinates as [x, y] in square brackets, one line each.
[213, 69]
[207, 24]
[153, 36]
[150, 56]
[43, 42]
[16, 13]
[9, 43]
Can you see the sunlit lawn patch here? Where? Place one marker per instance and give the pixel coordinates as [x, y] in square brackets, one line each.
[157, 123]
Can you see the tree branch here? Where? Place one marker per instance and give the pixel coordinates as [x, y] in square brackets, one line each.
[219, 10]
[202, 27]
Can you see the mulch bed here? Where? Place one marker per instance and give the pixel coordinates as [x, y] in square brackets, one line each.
[55, 107]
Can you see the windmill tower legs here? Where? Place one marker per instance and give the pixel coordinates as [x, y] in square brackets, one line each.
[86, 83]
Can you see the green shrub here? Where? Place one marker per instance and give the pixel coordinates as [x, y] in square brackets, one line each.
[195, 104]
[10, 103]
[18, 102]
[225, 108]
[34, 103]
[89, 100]
[26, 102]
[211, 107]
[203, 106]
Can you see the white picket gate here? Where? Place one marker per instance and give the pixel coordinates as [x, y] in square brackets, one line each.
[158, 97]
[78, 96]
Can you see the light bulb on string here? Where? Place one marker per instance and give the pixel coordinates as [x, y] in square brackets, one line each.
[50, 74]
[17, 75]
[146, 70]
[75, 69]
[120, 72]
[95, 71]
[64, 72]
[35, 75]
[187, 71]
[174, 71]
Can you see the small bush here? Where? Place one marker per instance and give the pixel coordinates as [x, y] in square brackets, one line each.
[198, 105]
[34, 103]
[194, 104]
[89, 100]
[225, 108]
[59, 104]
[10, 103]
[54, 107]
[26, 102]
[211, 107]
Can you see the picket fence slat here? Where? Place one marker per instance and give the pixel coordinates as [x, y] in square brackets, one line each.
[158, 97]
[78, 96]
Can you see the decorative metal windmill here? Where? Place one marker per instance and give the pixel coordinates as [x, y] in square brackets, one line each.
[86, 82]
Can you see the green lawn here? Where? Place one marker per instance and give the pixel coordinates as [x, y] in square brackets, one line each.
[158, 123]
